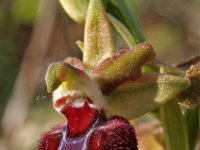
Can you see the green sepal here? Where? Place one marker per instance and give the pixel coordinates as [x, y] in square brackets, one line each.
[98, 40]
[148, 92]
[175, 131]
[123, 66]
[76, 9]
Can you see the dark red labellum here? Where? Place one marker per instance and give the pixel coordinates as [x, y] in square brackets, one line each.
[88, 129]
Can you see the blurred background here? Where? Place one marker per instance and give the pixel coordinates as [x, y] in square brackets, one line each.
[34, 33]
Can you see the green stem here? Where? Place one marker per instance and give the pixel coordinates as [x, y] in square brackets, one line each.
[192, 122]
[130, 20]
[175, 131]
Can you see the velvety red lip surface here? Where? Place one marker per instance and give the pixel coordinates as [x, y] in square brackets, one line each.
[88, 129]
[115, 134]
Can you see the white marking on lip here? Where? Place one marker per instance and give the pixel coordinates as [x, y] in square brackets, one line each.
[62, 92]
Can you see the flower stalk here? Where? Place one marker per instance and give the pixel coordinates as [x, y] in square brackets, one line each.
[174, 126]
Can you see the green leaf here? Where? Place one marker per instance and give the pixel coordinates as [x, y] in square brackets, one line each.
[174, 127]
[114, 11]
[76, 9]
[125, 65]
[130, 20]
[122, 30]
[192, 122]
[148, 92]
[98, 41]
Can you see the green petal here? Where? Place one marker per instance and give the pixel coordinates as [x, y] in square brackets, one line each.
[76, 9]
[147, 93]
[74, 79]
[60, 72]
[98, 41]
[125, 65]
